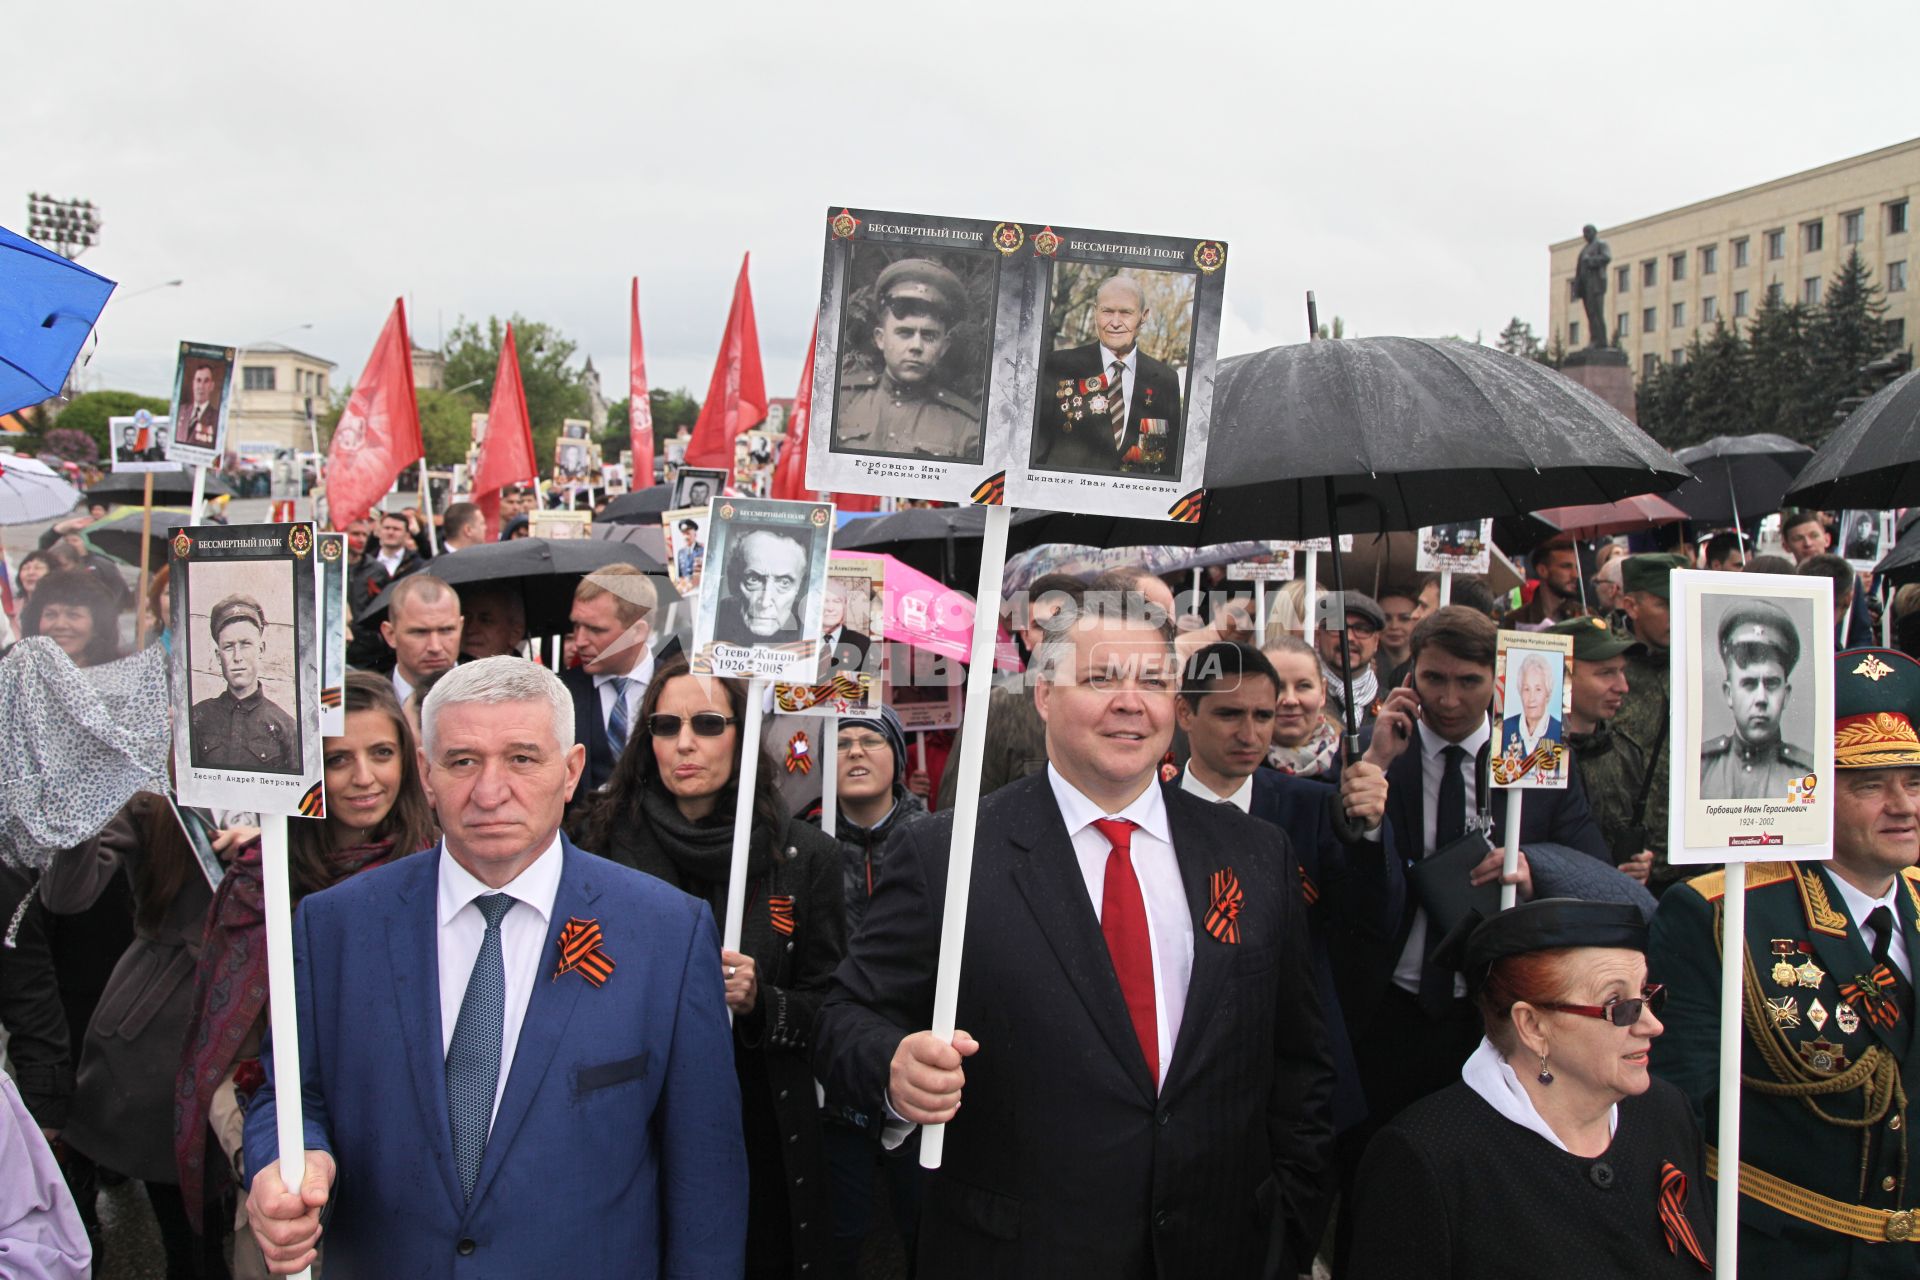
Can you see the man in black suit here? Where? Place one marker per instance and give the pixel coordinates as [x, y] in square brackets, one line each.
[1109, 406]
[1413, 1025]
[1147, 1075]
[842, 649]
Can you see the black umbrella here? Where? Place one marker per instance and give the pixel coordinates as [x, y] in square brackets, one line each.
[130, 486]
[1872, 461]
[642, 506]
[944, 542]
[546, 571]
[1396, 433]
[1738, 477]
[117, 534]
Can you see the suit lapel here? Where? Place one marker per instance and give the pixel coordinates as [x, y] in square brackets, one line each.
[413, 948]
[549, 1008]
[1048, 876]
[1198, 861]
[1839, 943]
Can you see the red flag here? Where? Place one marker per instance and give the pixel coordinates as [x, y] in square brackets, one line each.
[639, 408]
[506, 451]
[379, 434]
[737, 395]
[790, 473]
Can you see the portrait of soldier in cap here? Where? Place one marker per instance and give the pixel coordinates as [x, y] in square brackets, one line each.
[904, 403]
[1759, 647]
[1107, 405]
[241, 728]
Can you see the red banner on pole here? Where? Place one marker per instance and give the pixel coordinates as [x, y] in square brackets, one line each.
[737, 394]
[790, 473]
[639, 407]
[379, 434]
[506, 451]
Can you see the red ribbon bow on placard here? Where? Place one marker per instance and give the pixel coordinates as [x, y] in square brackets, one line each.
[1673, 1216]
[580, 952]
[1223, 917]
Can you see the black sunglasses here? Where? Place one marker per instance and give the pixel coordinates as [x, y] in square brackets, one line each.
[1621, 1013]
[706, 724]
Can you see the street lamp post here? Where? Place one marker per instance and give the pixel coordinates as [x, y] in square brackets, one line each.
[68, 227]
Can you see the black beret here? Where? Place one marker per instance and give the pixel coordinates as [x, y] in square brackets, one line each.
[1543, 925]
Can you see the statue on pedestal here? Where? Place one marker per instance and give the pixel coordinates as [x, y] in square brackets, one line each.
[1590, 285]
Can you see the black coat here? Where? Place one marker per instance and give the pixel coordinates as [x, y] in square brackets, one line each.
[773, 1043]
[1064, 443]
[1063, 1160]
[589, 730]
[1453, 1190]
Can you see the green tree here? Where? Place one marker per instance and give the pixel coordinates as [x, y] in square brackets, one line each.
[1715, 386]
[1848, 332]
[446, 424]
[553, 388]
[1660, 403]
[671, 411]
[89, 413]
[1780, 358]
[1518, 339]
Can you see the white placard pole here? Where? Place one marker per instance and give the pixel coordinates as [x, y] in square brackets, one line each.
[199, 495]
[1308, 605]
[743, 812]
[558, 652]
[426, 510]
[920, 749]
[1446, 587]
[1259, 611]
[1198, 599]
[828, 757]
[282, 1006]
[1510, 862]
[1733, 953]
[966, 800]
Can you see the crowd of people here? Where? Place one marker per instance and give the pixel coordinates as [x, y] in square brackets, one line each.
[1207, 1026]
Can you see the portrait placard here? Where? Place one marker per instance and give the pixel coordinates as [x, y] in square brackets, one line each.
[914, 331]
[923, 688]
[697, 486]
[572, 453]
[140, 442]
[1533, 674]
[1464, 546]
[246, 668]
[202, 392]
[761, 596]
[1122, 331]
[850, 657]
[332, 579]
[1865, 536]
[1316, 544]
[685, 532]
[1752, 730]
[1276, 565]
[560, 525]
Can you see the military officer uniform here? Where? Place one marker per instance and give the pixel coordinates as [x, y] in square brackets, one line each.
[1829, 1071]
[249, 733]
[1643, 712]
[877, 412]
[1732, 768]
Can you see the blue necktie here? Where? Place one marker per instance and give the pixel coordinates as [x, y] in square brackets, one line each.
[617, 722]
[473, 1059]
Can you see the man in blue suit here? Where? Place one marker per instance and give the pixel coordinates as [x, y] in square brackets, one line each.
[515, 1057]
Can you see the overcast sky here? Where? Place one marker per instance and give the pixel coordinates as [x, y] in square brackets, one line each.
[1408, 161]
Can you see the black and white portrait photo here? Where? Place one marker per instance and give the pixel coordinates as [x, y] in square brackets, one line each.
[1863, 536]
[1756, 736]
[762, 588]
[697, 486]
[246, 666]
[914, 346]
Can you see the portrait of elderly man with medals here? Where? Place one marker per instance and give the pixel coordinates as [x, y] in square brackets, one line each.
[1828, 1062]
[1106, 405]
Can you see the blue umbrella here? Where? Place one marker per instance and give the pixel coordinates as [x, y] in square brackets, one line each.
[48, 306]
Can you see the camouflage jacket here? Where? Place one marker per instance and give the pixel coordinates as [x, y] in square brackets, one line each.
[1643, 722]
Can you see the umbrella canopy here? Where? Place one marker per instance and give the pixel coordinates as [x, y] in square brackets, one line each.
[944, 542]
[130, 486]
[1872, 462]
[118, 534]
[1089, 561]
[1406, 432]
[545, 571]
[1597, 520]
[650, 538]
[48, 306]
[1738, 477]
[642, 506]
[30, 490]
[1902, 560]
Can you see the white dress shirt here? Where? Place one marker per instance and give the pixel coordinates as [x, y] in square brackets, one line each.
[641, 676]
[1169, 918]
[1241, 799]
[1860, 906]
[402, 689]
[524, 932]
[391, 562]
[1413, 959]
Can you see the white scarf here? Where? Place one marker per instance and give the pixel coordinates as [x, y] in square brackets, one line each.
[1487, 1074]
[1366, 684]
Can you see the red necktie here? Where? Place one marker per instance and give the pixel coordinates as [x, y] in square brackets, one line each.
[1123, 919]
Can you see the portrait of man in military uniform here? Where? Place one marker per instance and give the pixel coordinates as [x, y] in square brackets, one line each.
[907, 389]
[1758, 646]
[240, 727]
